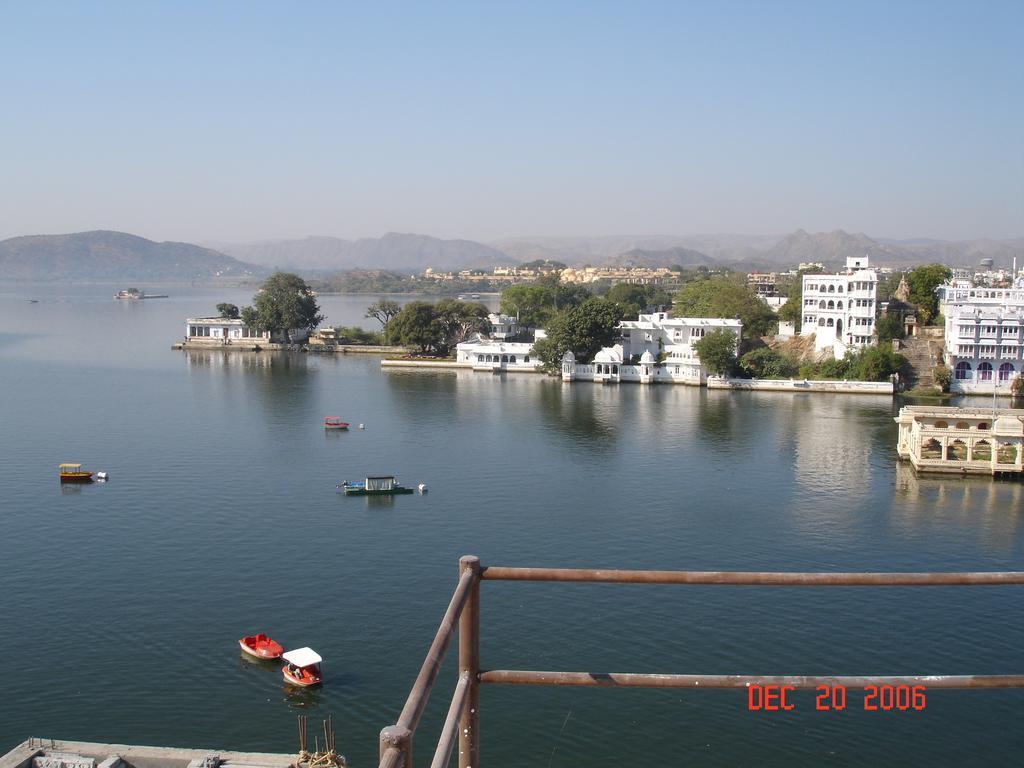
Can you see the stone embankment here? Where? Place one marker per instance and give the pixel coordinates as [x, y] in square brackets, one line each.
[266, 346]
[804, 385]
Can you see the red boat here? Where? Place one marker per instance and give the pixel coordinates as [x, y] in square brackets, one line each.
[261, 647]
[302, 667]
[334, 422]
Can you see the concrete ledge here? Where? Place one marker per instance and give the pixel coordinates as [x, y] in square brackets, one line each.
[136, 756]
[424, 364]
[804, 385]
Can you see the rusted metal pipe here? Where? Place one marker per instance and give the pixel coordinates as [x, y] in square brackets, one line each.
[469, 667]
[451, 724]
[632, 680]
[753, 578]
[395, 740]
[420, 693]
[391, 758]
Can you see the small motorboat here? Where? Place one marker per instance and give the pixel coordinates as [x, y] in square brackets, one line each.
[302, 667]
[261, 647]
[384, 485]
[334, 422]
[73, 473]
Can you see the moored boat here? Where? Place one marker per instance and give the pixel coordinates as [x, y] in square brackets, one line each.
[73, 473]
[383, 485]
[302, 667]
[334, 422]
[261, 647]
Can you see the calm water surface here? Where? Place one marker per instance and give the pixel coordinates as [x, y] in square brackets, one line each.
[121, 603]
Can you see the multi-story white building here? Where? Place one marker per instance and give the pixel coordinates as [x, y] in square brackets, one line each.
[840, 309]
[984, 335]
[660, 345]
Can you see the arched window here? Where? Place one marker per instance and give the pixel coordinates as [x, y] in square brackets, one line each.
[839, 289]
[479, 358]
[831, 304]
[526, 358]
[962, 425]
[830, 323]
[1005, 372]
[615, 369]
[941, 424]
[1007, 454]
[821, 321]
[985, 372]
[931, 449]
[821, 304]
[831, 289]
[839, 304]
[982, 451]
[956, 451]
[983, 425]
[962, 370]
[511, 358]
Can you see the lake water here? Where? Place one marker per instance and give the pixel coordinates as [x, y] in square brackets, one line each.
[121, 603]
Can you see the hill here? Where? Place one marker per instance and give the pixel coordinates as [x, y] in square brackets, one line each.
[394, 251]
[677, 256]
[105, 255]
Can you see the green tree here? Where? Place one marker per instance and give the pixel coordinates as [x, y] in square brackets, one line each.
[725, 297]
[922, 282]
[416, 326]
[285, 302]
[582, 329]
[890, 327]
[458, 319]
[533, 304]
[942, 377]
[717, 351]
[382, 311]
[873, 363]
[634, 298]
[228, 311]
[767, 363]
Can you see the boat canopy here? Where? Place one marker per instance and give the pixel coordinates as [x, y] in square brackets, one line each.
[302, 657]
[70, 467]
[383, 483]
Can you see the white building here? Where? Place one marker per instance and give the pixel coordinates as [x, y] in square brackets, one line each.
[984, 336]
[840, 309]
[496, 355]
[503, 326]
[222, 330]
[653, 348]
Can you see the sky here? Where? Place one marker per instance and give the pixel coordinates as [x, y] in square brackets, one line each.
[247, 121]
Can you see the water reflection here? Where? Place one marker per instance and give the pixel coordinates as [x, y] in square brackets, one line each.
[832, 453]
[992, 508]
[298, 697]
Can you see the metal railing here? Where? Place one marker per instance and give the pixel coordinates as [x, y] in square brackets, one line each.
[463, 719]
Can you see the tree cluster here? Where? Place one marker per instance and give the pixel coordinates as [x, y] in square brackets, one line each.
[582, 329]
[284, 303]
[726, 297]
[437, 328]
[922, 282]
[535, 303]
[717, 351]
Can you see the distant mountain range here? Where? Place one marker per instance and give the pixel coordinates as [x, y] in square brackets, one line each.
[395, 251]
[104, 255]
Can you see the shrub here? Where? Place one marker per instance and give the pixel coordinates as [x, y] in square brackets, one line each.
[943, 376]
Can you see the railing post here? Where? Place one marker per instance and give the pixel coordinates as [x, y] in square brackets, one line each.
[400, 738]
[469, 665]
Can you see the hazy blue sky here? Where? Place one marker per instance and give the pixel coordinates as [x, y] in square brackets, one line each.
[244, 121]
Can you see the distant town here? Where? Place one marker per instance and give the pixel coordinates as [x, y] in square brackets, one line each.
[935, 328]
